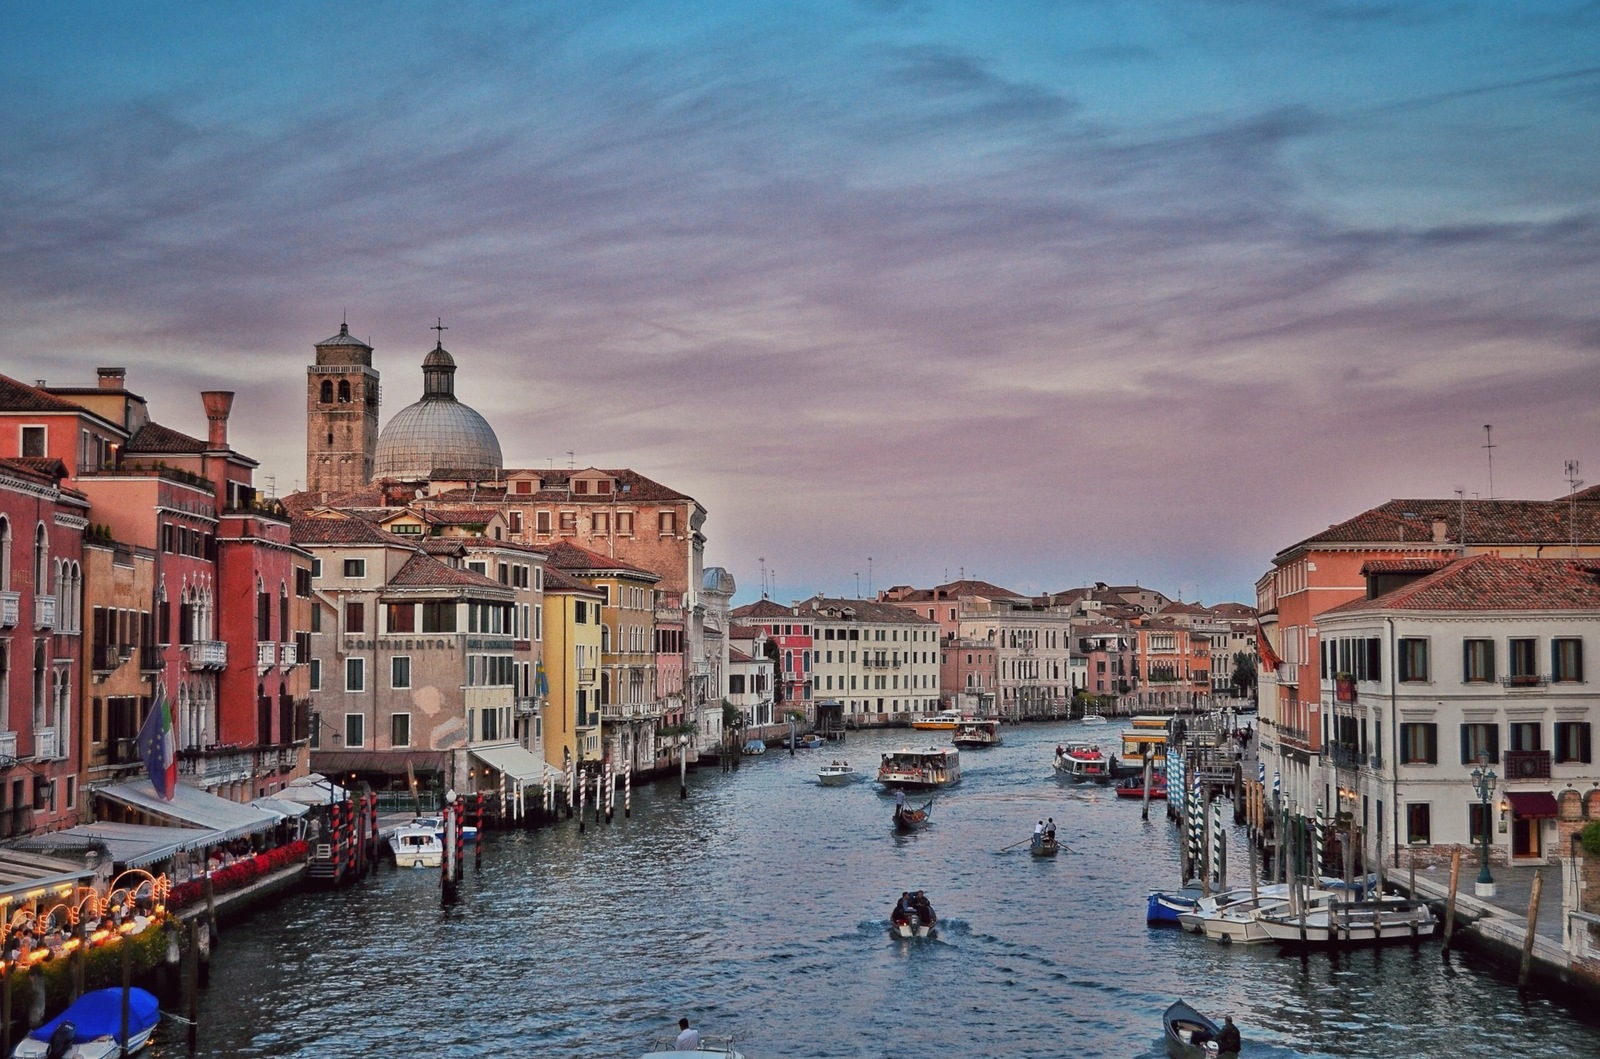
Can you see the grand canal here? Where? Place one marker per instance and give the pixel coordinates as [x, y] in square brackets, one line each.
[758, 907]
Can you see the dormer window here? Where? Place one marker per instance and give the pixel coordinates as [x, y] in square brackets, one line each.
[580, 488]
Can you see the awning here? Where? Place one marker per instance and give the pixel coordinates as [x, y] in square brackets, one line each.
[191, 807]
[22, 873]
[388, 762]
[511, 760]
[128, 845]
[1532, 805]
[282, 807]
[315, 789]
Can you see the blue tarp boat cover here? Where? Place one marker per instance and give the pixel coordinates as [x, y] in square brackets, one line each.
[98, 1013]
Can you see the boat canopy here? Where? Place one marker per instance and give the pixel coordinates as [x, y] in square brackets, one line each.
[99, 1014]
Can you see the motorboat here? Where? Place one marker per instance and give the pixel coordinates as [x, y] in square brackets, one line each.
[920, 770]
[718, 1046]
[943, 721]
[1133, 787]
[1232, 917]
[1044, 844]
[469, 832]
[416, 847]
[1188, 1032]
[1218, 903]
[1388, 919]
[1082, 763]
[90, 1028]
[907, 818]
[753, 747]
[977, 734]
[809, 741]
[919, 922]
[1092, 718]
[1163, 907]
[837, 774]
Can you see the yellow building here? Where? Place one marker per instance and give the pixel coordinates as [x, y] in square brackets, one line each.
[572, 653]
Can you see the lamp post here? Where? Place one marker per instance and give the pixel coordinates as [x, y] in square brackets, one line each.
[1483, 779]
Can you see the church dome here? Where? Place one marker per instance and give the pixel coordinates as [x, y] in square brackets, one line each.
[437, 433]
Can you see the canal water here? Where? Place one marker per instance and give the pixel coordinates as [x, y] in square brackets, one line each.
[759, 907]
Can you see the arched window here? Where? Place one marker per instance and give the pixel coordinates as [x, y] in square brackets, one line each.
[41, 561]
[327, 391]
[283, 614]
[344, 391]
[41, 683]
[5, 554]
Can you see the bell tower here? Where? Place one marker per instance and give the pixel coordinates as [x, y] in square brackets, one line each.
[341, 415]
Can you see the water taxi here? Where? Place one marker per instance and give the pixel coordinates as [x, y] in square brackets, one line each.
[920, 770]
[837, 774]
[1082, 763]
[977, 734]
[416, 847]
[943, 721]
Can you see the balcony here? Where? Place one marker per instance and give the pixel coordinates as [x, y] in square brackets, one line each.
[44, 744]
[10, 608]
[104, 657]
[1289, 674]
[8, 749]
[1297, 737]
[587, 676]
[150, 659]
[266, 656]
[1346, 756]
[632, 711]
[207, 654]
[1526, 765]
[44, 612]
[287, 655]
[1525, 680]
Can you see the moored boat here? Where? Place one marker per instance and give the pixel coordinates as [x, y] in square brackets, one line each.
[1082, 763]
[1133, 787]
[1388, 919]
[91, 1027]
[943, 721]
[920, 770]
[1163, 907]
[753, 748]
[977, 734]
[809, 741]
[1147, 734]
[416, 847]
[837, 774]
[1187, 1031]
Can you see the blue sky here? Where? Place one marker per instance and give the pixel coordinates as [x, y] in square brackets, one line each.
[1043, 293]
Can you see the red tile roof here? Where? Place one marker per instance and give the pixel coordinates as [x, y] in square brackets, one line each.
[155, 438]
[862, 610]
[565, 555]
[18, 396]
[424, 571]
[341, 530]
[1493, 583]
[1488, 522]
[763, 608]
[1419, 565]
[39, 468]
[556, 581]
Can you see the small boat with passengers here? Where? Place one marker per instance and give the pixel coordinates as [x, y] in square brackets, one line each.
[913, 917]
[927, 769]
[837, 774]
[1188, 1032]
[977, 734]
[91, 1027]
[1044, 845]
[1082, 763]
[943, 721]
[909, 818]
[717, 1046]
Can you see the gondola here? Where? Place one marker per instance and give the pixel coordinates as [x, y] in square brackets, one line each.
[908, 819]
[1182, 1024]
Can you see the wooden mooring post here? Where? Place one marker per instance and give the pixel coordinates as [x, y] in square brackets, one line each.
[1450, 901]
[1533, 926]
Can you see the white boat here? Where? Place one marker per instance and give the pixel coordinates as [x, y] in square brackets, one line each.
[977, 734]
[912, 926]
[719, 1046]
[469, 833]
[837, 774]
[1092, 718]
[416, 847]
[1218, 903]
[1387, 919]
[88, 1029]
[1082, 763]
[920, 770]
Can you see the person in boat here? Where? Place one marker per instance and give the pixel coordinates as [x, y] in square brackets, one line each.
[902, 908]
[924, 910]
[1038, 830]
[1228, 1042]
[1050, 829]
[688, 1039]
[899, 800]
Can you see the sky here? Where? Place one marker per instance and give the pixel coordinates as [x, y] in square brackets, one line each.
[1039, 293]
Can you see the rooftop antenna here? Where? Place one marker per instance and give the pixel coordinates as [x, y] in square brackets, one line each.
[762, 559]
[858, 584]
[1574, 483]
[1488, 445]
[1461, 498]
[869, 576]
[570, 458]
[272, 485]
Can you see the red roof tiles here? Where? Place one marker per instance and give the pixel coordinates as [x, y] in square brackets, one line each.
[1493, 583]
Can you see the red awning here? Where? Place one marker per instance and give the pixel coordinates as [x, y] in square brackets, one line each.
[1531, 805]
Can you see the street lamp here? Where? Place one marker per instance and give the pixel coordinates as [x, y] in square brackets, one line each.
[1483, 778]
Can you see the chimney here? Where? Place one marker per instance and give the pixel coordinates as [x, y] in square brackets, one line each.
[218, 404]
[1440, 531]
[112, 378]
